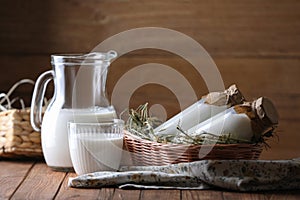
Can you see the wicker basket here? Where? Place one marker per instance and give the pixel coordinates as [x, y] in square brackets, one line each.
[17, 138]
[146, 152]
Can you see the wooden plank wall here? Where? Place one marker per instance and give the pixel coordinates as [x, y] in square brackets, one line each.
[254, 43]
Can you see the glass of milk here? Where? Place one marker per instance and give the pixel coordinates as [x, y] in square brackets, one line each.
[96, 146]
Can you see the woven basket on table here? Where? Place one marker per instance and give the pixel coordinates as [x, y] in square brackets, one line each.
[17, 138]
[145, 152]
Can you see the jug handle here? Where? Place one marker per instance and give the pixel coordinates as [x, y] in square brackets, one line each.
[37, 99]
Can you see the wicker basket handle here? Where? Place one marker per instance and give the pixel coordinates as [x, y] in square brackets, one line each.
[37, 99]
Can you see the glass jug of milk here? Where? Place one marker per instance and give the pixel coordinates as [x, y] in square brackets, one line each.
[79, 96]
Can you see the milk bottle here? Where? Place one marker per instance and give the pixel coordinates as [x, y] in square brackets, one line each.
[208, 106]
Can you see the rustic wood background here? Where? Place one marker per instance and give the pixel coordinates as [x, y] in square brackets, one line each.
[255, 44]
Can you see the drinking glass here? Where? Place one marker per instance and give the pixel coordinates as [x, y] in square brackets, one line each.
[96, 146]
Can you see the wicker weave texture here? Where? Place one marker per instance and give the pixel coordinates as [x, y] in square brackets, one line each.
[146, 152]
[17, 138]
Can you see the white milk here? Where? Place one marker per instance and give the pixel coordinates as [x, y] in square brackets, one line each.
[54, 132]
[227, 122]
[95, 152]
[188, 118]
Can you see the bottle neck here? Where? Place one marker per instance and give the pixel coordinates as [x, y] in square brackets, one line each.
[81, 86]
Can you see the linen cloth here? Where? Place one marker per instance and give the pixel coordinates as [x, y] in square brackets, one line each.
[239, 175]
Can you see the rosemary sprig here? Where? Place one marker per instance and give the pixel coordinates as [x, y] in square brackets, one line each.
[140, 124]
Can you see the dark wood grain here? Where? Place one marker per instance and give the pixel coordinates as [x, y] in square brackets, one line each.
[41, 183]
[232, 28]
[237, 195]
[106, 193]
[164, 194]
[120, 194]
[288, 195]
[255, 44]
[12, 174]
[14, 68]
[201, 195]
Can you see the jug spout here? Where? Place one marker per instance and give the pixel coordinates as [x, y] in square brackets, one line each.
[109, 56]
[96, 58]
[112, 55]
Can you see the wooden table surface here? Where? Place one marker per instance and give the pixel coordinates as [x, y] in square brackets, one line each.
[35, 180]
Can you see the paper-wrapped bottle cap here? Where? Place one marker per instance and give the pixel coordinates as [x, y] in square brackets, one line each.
[234, 95]
[231, 96]
[266, 111]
